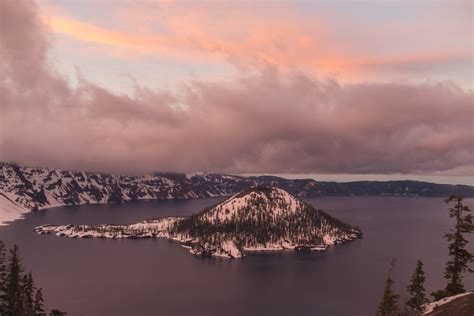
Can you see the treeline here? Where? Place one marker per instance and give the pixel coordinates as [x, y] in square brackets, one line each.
[456, 266]
[19, 296]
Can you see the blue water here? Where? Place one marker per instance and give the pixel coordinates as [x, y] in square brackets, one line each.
[158, 277]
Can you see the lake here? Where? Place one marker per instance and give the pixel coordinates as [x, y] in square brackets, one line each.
[158, 277]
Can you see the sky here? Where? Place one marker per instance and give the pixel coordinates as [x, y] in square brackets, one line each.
[335, 89]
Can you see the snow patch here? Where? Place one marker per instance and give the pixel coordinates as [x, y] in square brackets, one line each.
[428, 308]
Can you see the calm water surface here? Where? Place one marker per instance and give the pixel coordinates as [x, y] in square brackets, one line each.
[158, 277]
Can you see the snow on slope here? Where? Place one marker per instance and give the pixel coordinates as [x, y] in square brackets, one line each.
[146, 229]
[428, 308]
[29, 188]
[274, 202]
[9, 210]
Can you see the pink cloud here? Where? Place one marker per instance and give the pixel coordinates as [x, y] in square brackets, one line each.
[270, 121]
[276, 35]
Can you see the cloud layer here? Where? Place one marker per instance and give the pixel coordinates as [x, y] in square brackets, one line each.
[268, 120]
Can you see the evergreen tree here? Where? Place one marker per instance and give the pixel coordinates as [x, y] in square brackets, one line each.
[388, 305]
[28, 292]
[56, 312]
[13, 289]
[460, 257]
[38, 308]
[18, 294]
[416, 288]
[3, 273]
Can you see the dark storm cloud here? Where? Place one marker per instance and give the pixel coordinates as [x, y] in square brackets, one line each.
[272, 121]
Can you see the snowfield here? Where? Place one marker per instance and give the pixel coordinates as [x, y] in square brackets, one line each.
[9, 210]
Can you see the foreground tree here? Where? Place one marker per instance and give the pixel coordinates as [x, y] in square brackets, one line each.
[3, 273]
[38, 304]
[28, 293]
[460, 257]
[388, 305]
[57, 312]
[13, 288]
[416, 289]
[18, 293]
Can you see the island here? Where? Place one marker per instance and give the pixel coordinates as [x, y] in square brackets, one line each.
[255, 219]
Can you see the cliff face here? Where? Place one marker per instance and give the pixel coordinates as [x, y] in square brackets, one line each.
[255, 219]
[24, 188]
[40, 187]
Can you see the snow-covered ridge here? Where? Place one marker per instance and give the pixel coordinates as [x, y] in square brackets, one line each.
[23, 189]
[255, 219]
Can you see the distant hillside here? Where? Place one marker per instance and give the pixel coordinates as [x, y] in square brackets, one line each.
[27, 188]
[256, 219]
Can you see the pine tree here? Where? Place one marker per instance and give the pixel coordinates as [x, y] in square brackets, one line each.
[28, 291]
[18, 294]
[38, 308]
[460, 257]
[388, 305]
[13, 289]
[416, 288]
[3, 273]
[56, 312]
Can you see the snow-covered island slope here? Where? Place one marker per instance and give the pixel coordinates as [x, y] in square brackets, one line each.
[23, 189]
[255, 219]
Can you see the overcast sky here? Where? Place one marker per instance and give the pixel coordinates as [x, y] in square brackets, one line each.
[314, 87]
